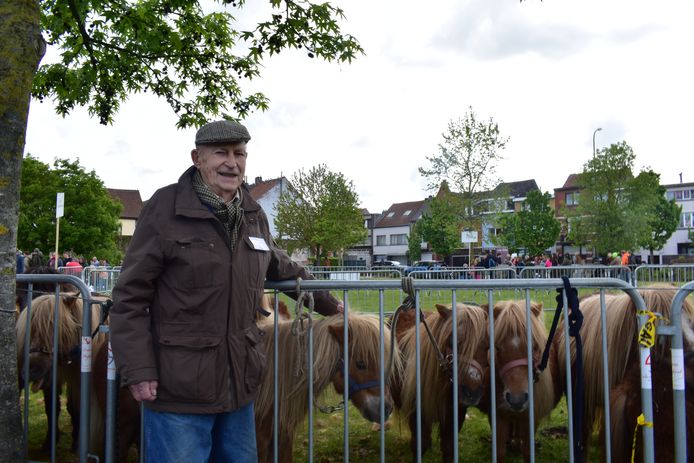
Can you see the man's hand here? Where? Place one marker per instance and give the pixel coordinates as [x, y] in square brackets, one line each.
[146, 390]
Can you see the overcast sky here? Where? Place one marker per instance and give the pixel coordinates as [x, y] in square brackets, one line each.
[549, 73]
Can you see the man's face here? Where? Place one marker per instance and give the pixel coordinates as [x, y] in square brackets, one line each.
[222, 167]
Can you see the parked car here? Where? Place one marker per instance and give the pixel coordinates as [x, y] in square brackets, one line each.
[424, 265]
[387, 263]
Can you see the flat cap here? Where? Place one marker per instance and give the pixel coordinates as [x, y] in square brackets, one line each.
[223, 131]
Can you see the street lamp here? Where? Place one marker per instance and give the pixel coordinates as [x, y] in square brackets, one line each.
[594, 132]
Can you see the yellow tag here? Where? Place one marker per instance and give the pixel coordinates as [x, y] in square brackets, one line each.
[640, 421]
[647, 333]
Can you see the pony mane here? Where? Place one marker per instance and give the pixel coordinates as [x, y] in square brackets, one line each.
[69, 327]
[510, 322]
[364, 344]
[622, 338]
[436, 384]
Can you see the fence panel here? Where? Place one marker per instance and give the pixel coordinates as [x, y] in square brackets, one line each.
[675, 274]
[426, 291]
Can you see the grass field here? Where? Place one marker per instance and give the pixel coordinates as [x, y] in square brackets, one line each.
[474, 438]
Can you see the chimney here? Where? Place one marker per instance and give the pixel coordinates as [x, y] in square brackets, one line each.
[258, 180]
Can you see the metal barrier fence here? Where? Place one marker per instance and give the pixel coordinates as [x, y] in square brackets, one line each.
[495, 273]
[676, 274]
[577, 271]
[453, 287]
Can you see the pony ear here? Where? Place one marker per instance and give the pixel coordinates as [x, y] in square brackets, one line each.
[444, 311]
[536, 308]
[497, 310]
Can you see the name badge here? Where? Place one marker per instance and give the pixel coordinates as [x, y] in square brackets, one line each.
[258, 243]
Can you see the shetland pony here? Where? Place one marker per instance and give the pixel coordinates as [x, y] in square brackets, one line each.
[328, 358]
[622, 347]
[511, 365]
[267, 314]
[436, 379]
[625, 396]
[38, 289]
[127, 411]
[625, 407]
[40, 354]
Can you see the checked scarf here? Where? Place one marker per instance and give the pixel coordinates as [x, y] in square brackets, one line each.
[230, 214]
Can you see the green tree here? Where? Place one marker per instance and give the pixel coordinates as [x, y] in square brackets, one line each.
[414, 242]
[617, 209]
[604, 205]
[440, 225]
[534, 227]
[662, 215]
[466, 161]
[90, 224]
[321, 213]
[109, 49]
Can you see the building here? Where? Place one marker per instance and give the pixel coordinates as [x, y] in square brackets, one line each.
[267, 194]
[362, 254]
[392, 229]
[132, 207]
[679, 246]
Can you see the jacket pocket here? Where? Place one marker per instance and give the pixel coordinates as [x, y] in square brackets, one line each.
[196, 263]
[190, 368]
[256, 358]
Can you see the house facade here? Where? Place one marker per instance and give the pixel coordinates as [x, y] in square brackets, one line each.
[679, 245]
[132, 207]
[392, 230]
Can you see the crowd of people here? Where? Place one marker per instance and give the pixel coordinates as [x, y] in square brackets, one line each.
[68, 262]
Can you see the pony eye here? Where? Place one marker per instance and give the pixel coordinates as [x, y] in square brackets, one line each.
[361, 365]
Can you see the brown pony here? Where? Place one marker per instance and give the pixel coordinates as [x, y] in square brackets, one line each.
[622, 345]
[625, 379]
[127, 411]
[328, 357]
[40, 353]
[267, 314]
[436, 380]
[511, 365]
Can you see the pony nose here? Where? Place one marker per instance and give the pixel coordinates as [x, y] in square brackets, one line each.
[517, 401]
[470, 396]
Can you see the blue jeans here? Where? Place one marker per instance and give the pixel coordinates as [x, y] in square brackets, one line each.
[189, 438]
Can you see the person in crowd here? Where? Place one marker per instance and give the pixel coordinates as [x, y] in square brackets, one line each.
[94, 262]
[187, 297]
[19, 257]
[67, 257]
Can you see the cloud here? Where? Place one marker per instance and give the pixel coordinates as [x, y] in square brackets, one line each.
[488, 30]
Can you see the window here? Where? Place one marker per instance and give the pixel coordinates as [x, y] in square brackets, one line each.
[390, 214]
[686, 194]
[679, 194]
[509, 205]
[398, 239]
[572, 199]
[407, 212]
[687, 220]
[380, 240]
[670, 195]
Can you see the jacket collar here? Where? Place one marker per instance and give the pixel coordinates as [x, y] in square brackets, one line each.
[189, 205]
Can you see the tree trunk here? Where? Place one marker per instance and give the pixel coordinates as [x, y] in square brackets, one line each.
[21, 49]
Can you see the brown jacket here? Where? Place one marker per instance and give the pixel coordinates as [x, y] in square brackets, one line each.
[184, 306]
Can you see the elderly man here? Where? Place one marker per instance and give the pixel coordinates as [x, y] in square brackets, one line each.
[183, 331]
